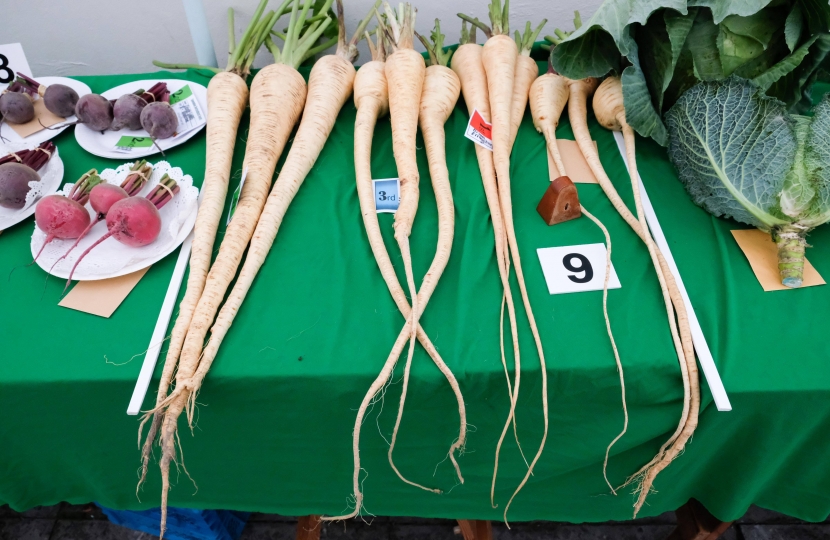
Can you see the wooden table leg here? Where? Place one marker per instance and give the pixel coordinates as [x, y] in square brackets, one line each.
[475, 529]
[308, 528]
[694, 522]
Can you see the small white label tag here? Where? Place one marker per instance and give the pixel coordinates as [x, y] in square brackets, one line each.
[387, 195]
[187, 110]
[579, 268]
[12, 60]
[479, 131]
[235, 197]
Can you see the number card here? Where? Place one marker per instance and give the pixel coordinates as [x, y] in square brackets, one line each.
[127, 144]
[580, 268]
[387, 195]
[479, 131]
[12, 60]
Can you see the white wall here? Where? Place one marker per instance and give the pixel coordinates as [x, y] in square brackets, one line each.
[95, 37]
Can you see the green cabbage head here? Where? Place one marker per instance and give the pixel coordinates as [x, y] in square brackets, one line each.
[741, 155]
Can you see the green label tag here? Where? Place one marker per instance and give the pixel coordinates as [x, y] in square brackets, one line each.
[127, 143]
[235, 197]
[181, 94]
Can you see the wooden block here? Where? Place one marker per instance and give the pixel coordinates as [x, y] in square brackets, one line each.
[308, 528]
[560, 202]
[475, 529]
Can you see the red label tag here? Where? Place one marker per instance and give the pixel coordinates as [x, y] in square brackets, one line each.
[479, 131]
[478, 123]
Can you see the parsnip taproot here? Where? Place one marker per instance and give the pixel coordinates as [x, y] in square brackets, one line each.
[227, 98]
[499, 57]
[526, 72]
[440, 93]
[278, 93]
[548, 97]
[468, 65]
[610, 112]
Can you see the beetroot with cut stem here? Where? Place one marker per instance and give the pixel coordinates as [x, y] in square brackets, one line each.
[127, 112]
[60, 100]
[103, 196]
[135, 221]
[95, 111]
[159, 120]
[14, 184]
[16, 107]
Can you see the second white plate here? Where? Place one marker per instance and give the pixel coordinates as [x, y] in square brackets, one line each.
[103, 144]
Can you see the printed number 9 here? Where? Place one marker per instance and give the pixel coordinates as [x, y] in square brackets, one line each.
[6, 74]
[584, 266]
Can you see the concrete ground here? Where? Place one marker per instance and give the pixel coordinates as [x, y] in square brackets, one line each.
[86, 522]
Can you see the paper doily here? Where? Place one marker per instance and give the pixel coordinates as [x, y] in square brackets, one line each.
[51, 176]
[112, 258]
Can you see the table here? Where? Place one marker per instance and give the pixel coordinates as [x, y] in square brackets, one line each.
[273, 429]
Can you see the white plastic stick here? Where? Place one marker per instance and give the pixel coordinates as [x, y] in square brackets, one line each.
[704, 355]
[149, 365]
[200, 32]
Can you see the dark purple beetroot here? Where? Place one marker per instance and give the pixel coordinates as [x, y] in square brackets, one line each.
[159, 120]
[16, 108]
[14, 184]
[127, 112]
[59, 99]
[94, 111]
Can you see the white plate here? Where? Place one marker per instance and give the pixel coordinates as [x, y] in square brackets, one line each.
[51, 176]
[103, 144]
[46, 134]
[177, 218]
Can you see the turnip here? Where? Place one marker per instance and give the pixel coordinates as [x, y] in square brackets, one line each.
[65, 217]
[16, 107]
[14, 184]
[134, 221]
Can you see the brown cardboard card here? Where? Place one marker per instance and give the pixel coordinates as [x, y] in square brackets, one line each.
[101, 297]
[763, 258]
[575, 165]
[42, 116]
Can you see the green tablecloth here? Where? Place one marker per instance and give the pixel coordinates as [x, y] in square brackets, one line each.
[274, 424]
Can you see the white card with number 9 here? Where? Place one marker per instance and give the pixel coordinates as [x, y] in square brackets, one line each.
[581, 268]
